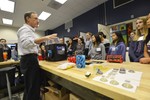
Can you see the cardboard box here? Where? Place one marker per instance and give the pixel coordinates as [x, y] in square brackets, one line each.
[73, 97]
[56, 94]
[51, 83]
[52, 96]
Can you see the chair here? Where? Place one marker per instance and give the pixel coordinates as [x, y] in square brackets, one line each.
[7, 77]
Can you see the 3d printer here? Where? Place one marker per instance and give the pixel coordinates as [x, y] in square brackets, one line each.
[55, 51]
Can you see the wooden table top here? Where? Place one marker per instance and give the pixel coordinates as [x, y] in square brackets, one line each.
[9, 62]
[77, 76]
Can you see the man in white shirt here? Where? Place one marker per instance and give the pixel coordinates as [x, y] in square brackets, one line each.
[28, 49]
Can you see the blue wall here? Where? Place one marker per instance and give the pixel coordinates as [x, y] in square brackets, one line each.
[89, 20]
[137, 8]
[84, 23]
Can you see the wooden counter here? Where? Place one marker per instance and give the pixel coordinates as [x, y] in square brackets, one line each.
[8, 63]
[77, 76]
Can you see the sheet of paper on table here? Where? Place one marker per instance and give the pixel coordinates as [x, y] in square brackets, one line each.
[129, 80]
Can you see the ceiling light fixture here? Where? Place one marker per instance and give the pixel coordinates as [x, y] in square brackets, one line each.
[6, 5]
[44, 15]
[61, 1]
[7, 21]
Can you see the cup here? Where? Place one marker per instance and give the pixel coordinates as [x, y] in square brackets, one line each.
[80, 61]
[5, 56]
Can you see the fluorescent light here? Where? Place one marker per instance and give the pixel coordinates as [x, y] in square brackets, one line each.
[61, 1]
[7, 5]
[44, 15]
[7, 21]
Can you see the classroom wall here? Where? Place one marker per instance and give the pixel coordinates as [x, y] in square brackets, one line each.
[136, 8]
[84, 23]
[10, 33]
[89, 21]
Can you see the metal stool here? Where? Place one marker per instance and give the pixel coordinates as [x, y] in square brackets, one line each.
[6, 71]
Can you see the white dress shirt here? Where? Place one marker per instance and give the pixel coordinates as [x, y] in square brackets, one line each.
[26, 37]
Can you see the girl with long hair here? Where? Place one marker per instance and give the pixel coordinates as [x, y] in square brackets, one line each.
[146, 58]
[136, 49]
[80, 47]
[71, 47]
[118, 46]
[98, 49]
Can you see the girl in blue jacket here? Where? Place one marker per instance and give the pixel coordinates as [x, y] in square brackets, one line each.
[118, 47]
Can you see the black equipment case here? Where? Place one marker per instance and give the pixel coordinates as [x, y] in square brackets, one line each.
[56, 52]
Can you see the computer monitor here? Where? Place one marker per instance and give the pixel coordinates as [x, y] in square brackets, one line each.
[12, 46]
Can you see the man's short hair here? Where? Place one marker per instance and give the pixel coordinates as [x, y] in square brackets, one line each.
[28, 15]
[89, 33]
[3, 39]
